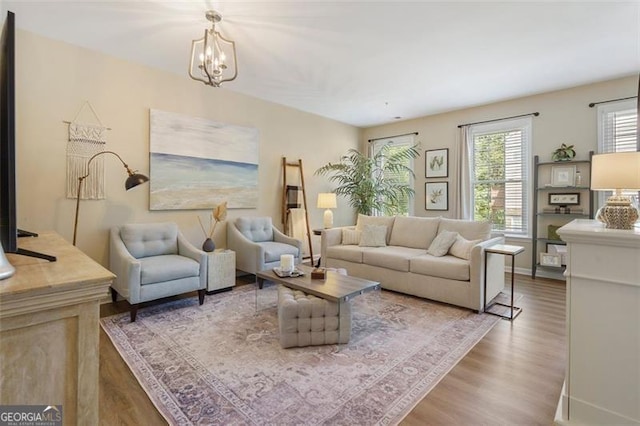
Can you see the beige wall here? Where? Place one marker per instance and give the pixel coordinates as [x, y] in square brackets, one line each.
[564, 117]
[53, 81]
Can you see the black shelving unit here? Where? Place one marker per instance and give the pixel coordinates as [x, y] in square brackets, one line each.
[540, 197]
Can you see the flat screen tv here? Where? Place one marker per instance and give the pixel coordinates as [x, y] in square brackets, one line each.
[9, 231]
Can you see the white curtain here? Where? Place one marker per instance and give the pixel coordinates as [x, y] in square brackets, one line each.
[462, 200]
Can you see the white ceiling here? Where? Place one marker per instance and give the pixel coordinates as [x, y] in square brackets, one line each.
[364, 63]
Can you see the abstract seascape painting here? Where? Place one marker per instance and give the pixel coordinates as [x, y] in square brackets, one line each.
[196, 163]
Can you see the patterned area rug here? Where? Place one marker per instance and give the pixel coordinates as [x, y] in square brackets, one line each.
[221, 363]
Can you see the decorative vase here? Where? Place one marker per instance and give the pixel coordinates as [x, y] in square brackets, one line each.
[208, 245]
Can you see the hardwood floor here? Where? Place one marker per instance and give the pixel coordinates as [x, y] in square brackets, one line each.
[514, 375]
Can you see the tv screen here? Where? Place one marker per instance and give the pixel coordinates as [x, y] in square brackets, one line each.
[9, 231]
[8, 225]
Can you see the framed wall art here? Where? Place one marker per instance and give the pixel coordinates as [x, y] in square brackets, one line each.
[563, 175]
[196, 163]
[436, 195]
[436, 163]
[570, 199]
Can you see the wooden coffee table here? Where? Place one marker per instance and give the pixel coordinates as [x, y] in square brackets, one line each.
[335, 287]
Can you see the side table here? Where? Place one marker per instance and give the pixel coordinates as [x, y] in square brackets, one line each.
[505, 250]
[221, 270]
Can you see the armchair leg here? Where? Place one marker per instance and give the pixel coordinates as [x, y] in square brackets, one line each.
[201, 294]
[134, 311]
[114, 294]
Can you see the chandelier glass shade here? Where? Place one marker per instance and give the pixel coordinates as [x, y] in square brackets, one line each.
[213, 57]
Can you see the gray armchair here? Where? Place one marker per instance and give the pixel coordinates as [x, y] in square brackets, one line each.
[258, 244]
[152, 261]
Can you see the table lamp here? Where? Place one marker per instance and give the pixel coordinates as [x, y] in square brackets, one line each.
[134, 179]
[616, 171]
[327, 200]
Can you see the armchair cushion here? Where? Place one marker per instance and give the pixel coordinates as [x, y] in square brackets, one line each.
[150, 239]
[256, 229]
[169, 267]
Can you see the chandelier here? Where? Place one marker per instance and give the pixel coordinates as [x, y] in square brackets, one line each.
[213, 57]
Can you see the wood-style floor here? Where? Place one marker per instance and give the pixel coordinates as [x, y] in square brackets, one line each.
[514, 375]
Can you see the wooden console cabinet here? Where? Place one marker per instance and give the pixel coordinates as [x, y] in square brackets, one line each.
[49, 330]
[602, 384]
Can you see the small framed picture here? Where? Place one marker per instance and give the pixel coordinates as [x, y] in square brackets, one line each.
[570, 199]
[548, 259]
[436, 163]
[436, 196]
[563, 175]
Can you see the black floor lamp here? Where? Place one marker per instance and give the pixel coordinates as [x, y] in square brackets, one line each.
[132, 181]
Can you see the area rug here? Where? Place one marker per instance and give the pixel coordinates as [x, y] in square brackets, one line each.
[221, 363]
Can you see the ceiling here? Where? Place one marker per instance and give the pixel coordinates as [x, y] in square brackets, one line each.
[366, 63]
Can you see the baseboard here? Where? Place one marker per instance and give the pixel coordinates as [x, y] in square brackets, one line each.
[539, 273]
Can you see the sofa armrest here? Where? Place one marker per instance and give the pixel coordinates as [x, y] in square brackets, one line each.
[331, 237]
[125, 267]
[186, 249]
[249, 255]
[495, 271]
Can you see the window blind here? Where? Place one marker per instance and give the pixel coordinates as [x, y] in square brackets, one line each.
[617, 132]
[499, 158]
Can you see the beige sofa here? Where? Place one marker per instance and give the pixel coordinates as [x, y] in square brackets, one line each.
[401, 261]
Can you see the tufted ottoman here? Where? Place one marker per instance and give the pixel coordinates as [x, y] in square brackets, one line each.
[306, 320]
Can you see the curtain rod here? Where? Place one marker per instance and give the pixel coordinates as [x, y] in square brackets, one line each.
[394, 136]
[535, 114]
[592, 104]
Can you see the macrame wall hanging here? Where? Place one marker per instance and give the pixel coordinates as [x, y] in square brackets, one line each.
[86, 140]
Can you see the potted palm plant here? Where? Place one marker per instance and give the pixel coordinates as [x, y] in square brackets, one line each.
[376, 184]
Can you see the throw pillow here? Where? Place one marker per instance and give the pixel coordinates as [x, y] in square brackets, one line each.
[373, 236]
[462, 247]
[441, 243]
[350, 237]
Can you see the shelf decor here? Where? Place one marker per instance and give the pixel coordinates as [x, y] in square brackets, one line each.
[569, 199]
[563, 175]
[564, 153]
[548, 259]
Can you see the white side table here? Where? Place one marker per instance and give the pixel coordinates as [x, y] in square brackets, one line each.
[505, 250]
[221, 270]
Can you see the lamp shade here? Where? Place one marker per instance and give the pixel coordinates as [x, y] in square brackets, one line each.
[135, 180]
[615, 171]
[327, 200]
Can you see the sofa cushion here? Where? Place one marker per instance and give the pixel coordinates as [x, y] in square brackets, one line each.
[391, 257]
[157, 269]
[273, 250]
[351, 237]
[375, 220]
[349, 253]
[256, 229]
[462, 247]
[373, 236]
[150, 239]
[441, 243]
[471, 230]
[448, 267]
[414, 232]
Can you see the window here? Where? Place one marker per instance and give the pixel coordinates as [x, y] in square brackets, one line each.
[499, 158]
[617, 132]
[405, 207]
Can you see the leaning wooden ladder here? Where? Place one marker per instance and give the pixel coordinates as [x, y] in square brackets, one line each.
[290, 199]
